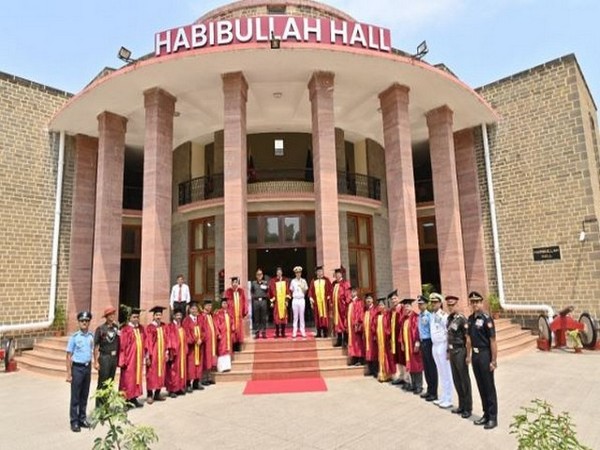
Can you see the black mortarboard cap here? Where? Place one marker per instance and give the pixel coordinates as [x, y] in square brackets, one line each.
[208, 301]
[318, 268]
[391, 294]
[407, 301]
[235, 279]
[157, 309]
[369, 294]
[136, 310]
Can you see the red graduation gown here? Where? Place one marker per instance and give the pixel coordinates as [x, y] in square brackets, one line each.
[131, 361]
[156, 350]
[382, 330]
[368, 334]
[175, 379]
[238, 308]
[410, 336]
[225, 330]
[356, 343]
[279, 293]
[194, 337]
[340, 297]
[396, 318]
[319, 293]
[209, 349]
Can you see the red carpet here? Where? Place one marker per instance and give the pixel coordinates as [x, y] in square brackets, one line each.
[284, 365]
[288, 386]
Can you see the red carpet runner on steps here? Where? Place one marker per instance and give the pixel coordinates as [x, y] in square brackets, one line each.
[285, 366]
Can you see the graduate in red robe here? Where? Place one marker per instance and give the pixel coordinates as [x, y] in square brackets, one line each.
[175, 379]
[319, 294]
[411, 347]
[369, 336]
[157, 354]
[396, 319]
[225, 328]
[131, 359]
[381, 328]
[356, 343]
[340, 297]
[193, 333]
[238, 308]
[279, 294]
[209, 345]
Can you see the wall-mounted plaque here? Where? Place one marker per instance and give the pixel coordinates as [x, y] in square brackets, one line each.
[546, 253]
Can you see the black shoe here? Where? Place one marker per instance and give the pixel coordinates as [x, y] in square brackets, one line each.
[75, 428]
[490, 424]
[465, 414]
[457, 411]
[264, 334]
[256, 335]
[398, 382]
[318, 334]
[430, 398]
[158, 398]
[136, 403]
[481, 421]
[180, 392]
[172, 395]
[425, 395]
[199, 388]
[212, 382]
[84, 424]
[417, 391]
[189, 389]
[205, 383]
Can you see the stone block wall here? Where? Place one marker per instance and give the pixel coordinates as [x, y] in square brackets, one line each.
[541, 163]
[28, 170]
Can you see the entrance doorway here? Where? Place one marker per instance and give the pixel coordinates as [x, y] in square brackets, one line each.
[131, 254]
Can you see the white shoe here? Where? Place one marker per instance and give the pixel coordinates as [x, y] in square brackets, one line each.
[437, 402]
[445, 405]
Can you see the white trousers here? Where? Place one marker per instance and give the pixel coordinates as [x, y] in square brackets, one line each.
[298, 306]
[444, 372]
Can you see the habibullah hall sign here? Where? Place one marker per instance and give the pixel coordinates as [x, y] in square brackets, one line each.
[288, 133]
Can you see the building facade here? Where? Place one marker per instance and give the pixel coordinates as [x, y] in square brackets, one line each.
[269, 134]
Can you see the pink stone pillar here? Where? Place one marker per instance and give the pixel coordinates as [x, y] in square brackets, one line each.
[327, 223]
[447, 207]
[156, 211]
[106, 271]
[79, 295]
[470, 212]
[402, 209]
[235, 92]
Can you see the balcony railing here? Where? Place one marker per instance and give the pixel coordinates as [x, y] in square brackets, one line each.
[359, 185]
[202, 188]
[205, 188]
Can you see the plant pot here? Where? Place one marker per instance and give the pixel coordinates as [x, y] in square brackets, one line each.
[495, 315]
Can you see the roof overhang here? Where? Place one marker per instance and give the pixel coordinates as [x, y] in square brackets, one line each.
[278, 98]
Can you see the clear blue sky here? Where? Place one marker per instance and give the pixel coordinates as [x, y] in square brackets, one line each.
[65, 43]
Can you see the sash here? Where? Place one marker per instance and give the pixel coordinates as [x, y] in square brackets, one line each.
[367, 320]
[236, 309]
[405, 335]
[196, 346]
[280, 291]
[228, 331]
[381, 346]
[181, 333]
[350, 330]
[212, 334]
[320, 294]
[138, 356]
[336, 289]
[161, 350]
[394, 332]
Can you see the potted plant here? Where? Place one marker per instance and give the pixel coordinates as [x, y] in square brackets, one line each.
[60, 320]
[495, 307]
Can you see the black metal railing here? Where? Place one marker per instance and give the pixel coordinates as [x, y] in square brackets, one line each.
[201, 188]
[359, 185]
[205, 188]
[262, 175]
[133, 197]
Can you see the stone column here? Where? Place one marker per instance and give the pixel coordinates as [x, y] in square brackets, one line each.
[106, 273]
[155, 276]
[400, 182]
[327, 224]
[235, 92]
[447, 206]
[79, 295]
[470, 212]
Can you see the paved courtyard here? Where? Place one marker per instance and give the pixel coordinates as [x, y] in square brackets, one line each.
[352, 414]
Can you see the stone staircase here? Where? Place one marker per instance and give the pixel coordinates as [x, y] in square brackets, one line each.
[282, 358]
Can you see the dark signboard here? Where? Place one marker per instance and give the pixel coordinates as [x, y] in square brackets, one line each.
[546, 253]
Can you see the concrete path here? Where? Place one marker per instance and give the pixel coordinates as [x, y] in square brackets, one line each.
[353, 414]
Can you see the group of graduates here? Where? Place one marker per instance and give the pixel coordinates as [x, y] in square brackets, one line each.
[399, 344]
[180, 356]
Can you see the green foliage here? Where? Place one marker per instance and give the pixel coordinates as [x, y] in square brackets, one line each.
[537, 428]
[121, 434]
[427, 289]
[574, 339]
[494, 302]
[60, 318]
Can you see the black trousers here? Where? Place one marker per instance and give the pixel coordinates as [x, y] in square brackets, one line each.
[431, 375]
[80, 390]
[460, 375]
[107, 370]
[259, 315]
[485, 382]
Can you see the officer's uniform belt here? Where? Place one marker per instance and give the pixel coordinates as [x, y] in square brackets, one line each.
[480, 349]
[455, 346]
[77, 364]
[109, 353]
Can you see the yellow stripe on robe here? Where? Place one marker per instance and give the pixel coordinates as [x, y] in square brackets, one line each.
[405, 331]
[181, 352]
[280, 291]
[161, 349]
[394, 332]
[382, 376]
[320, 294]
[350, 331]
[367, 321]
[138, 359]
[336, 289]
[212, 330]
[196, 346]
[228, 331]
[236, 309]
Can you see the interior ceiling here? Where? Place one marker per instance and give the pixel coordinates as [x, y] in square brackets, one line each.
[278, 98]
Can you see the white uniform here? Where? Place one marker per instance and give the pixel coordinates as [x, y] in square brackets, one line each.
[298, 288]
[439, 339]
